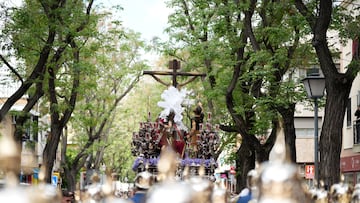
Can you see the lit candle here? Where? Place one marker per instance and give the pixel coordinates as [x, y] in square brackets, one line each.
[158, 137]
[136, 136]
[211, 136]
[208, 126]
[217, 127]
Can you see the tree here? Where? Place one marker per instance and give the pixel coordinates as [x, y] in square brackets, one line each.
[320, 16]
[267, 70]
[114, 54]
[240, 38]
[34, 45]
[134, 109]
[46, 36]
[63, 82]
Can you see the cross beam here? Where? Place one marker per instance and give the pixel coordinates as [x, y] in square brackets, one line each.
[174, 65]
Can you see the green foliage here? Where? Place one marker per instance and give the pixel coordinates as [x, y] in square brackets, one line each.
[23, 33]
[114, 64]
[209, 32]
[346, 22]
[355, 66]
[109, 64]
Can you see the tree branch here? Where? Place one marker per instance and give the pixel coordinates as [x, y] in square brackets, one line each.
[248, 28]
[187, 14]
[12, 69]
[309, 16]
[33, 76]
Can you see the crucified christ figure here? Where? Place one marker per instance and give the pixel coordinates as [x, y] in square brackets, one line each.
[174, 65]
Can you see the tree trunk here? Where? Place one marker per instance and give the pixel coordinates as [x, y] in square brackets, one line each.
[338, 86]
[262, 154]
[99, 158]
[245, 161]
[287, 115]
[331, 132]
[49, 154]
[71, 169]
[263, 150]
[70, 176]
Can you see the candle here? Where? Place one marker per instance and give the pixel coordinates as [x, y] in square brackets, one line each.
[208, 126]
[217, 127]
[211, 135]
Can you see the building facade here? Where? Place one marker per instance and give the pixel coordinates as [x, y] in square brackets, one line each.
[350, 155]
[34, 136]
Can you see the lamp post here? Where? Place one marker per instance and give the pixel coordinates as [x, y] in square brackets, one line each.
[315, 85]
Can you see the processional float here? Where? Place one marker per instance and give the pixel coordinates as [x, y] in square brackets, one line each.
[195, 145]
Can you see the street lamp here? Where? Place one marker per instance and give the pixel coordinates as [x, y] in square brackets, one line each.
[315, 86]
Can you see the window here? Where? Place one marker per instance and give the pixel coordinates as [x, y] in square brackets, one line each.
[348, 113]
[35, 128]
[304, 132]
[356, 128]
[355, 47]
[349, 178]
[357, 177]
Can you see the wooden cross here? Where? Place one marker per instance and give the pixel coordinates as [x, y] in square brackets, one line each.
[174, 65]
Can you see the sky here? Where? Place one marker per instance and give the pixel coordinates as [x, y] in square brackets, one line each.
[149, 17]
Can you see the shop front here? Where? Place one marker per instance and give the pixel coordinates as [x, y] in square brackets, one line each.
[350, 168]
[30, 177]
